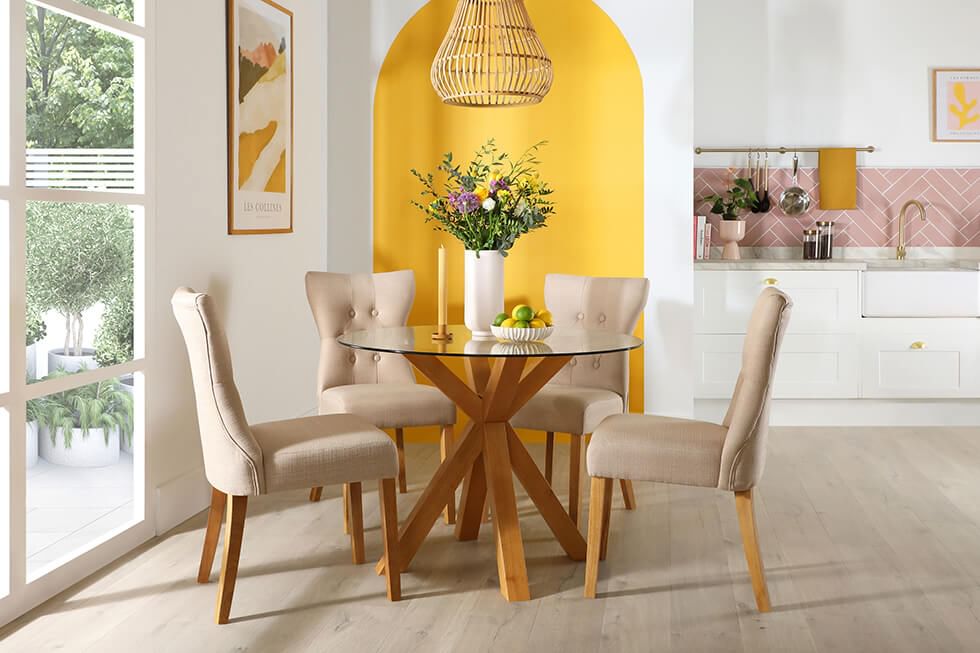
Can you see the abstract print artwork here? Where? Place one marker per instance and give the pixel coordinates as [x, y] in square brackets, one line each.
[260, 117]
[956, 94]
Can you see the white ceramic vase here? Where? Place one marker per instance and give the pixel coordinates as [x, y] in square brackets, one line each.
[91, 451]
[483, 291]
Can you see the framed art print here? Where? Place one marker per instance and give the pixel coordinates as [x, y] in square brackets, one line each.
[956, 105]
[260, 117]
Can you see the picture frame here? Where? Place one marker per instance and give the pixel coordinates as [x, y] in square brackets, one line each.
[260, 117]
[956, 105]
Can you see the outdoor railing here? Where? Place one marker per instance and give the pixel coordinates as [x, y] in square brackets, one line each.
[81, 169]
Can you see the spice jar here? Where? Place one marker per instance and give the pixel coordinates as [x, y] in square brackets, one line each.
[825, 236]
[811, 245]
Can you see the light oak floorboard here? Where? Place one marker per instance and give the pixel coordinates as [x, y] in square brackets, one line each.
[870, 539]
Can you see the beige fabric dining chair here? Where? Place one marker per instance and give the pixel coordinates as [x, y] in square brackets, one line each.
[590, 388]
[380, 388]
[729, 456]
[242, 460]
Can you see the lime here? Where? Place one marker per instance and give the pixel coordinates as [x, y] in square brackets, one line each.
[545, 316]
[508, 323]
[537, 324]
[497, 321]
[523, 312]
[521, 324]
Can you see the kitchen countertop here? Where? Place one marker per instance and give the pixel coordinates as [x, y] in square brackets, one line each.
[787, 258]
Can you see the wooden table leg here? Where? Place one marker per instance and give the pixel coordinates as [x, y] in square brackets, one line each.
[511, 565]
[471, 505]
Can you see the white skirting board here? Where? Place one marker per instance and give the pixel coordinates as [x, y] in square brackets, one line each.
[856, 412]
[181, 498]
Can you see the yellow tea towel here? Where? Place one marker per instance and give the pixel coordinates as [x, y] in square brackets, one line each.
[838, 178]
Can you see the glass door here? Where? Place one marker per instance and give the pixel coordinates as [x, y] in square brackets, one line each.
[73, 224]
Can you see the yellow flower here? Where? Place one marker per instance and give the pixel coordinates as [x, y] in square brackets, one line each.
[494, 176]
[482, 191]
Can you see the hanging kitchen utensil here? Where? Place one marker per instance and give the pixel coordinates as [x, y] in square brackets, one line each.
[765, 202]
[794, 200]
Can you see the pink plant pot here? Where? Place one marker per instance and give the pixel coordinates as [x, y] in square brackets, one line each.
[731, 232]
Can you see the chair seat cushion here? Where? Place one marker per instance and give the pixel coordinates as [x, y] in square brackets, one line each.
[568, 409]
[659, 449]
[323, 450]
[391, 405]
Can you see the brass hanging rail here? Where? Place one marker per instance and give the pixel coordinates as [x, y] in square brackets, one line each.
[771, 150]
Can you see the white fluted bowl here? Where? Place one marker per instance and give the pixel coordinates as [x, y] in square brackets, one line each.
[510, 334]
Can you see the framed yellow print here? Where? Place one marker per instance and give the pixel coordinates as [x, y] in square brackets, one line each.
[260, 117]
[956, 105]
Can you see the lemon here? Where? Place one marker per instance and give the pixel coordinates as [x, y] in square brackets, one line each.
[545, 316]
[523, 312]
[521, 324]
[499, 320]
[509, 323]
[537, 324]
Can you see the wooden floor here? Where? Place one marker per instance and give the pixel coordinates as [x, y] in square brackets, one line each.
[871, 538]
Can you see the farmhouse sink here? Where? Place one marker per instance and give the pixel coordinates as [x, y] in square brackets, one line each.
[922, 289]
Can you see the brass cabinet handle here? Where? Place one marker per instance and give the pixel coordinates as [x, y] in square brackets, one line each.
[771, 282]
[917, 345]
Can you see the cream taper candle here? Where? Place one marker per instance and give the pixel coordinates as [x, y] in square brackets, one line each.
[443, 288]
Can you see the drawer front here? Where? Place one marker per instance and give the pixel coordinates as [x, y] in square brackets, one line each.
[810, 367]
[823, 301]
[920, 359]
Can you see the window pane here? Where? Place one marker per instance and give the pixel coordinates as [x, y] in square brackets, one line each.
[79, 104]
[4, 296]
[80, 476]
[79, 287]
[119, 8]
[4, 502]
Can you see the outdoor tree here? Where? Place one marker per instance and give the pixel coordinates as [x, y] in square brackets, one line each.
[79, 80]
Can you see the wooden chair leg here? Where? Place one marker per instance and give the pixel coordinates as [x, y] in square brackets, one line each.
[346, 500]
[315, 494]
[400, 444]
[549, 456]
[597, 516]
[575, 477]
[446, 441]
[215, 514]
[629, 496]
[750, 542]
[356, 523]
[389, 528]
[607, 498]
[234, 529]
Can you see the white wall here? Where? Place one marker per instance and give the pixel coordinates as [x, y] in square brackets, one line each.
[257, 280]
[830, 72]
[661, 35]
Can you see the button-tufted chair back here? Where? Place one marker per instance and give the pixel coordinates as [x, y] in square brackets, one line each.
[232, 457]
[614, 304]
[349, 302]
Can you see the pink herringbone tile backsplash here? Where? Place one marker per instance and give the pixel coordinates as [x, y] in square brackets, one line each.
[951, 196]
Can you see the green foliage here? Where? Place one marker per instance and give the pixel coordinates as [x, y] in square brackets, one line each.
[36, 328]
[738, 198]
[492, 203]
[79, 80]
[114, 339]
[77, 256]
[103, 405]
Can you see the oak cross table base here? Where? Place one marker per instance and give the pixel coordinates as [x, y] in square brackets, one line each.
[486, 457]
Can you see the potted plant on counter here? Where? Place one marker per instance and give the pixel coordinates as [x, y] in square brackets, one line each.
[36, 330]
[487, 206]
[82, 427]
[739, 198]
[76, 254]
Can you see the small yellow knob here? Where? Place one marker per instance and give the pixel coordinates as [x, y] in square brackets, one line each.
[918, 345]
[771, 282]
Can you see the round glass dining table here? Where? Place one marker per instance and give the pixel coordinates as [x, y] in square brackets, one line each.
[501, 377]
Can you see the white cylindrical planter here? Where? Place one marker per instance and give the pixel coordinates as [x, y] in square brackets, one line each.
[32, 361]
[483, 290]
[31, 444]
[71, 364]
[91, 451]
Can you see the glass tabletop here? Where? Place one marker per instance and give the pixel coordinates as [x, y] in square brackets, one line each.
[418, 340]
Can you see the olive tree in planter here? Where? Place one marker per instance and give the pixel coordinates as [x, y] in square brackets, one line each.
[36, 330]
[82, 427]
[76, 255]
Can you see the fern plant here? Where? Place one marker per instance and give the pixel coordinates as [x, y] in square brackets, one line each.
[102, 405]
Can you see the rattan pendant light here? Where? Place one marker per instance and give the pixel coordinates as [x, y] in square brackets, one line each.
[491, 57]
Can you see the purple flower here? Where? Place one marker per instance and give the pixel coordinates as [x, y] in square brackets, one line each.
[465, 202]
[498, 184]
